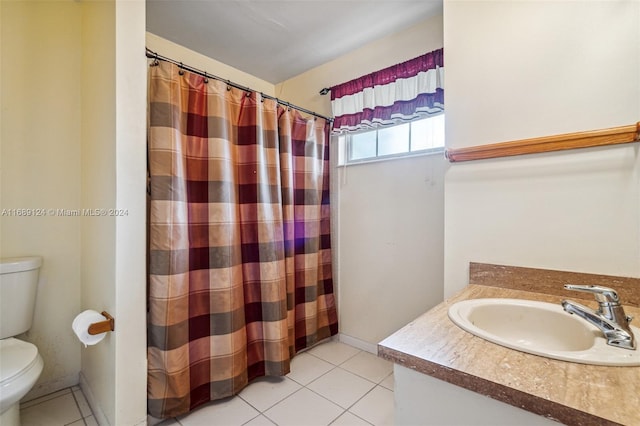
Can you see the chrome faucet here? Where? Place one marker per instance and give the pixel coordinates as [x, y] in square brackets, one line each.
[609, 318]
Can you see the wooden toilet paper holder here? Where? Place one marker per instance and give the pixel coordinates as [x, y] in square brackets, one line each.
[102, 326]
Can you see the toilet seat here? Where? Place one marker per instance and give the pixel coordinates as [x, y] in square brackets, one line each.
[18, 357]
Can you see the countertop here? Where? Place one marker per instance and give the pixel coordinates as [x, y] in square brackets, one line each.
[571, 393]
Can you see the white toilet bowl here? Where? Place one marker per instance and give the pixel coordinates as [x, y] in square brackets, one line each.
[20, 368]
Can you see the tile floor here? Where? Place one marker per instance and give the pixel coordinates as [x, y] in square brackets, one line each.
[330, 384]
[67, 407]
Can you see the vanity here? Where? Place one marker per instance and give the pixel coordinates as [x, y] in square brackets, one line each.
[447, 376]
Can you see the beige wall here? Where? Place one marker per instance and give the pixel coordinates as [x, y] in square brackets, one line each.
[302, 90]
[40, 169]
[114, 178]
[524, 69]
[174, 51]
[130, 238]
[99, 191]
[387, 216]
[73, 137]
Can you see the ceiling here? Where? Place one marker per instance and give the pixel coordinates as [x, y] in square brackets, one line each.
[278, 39]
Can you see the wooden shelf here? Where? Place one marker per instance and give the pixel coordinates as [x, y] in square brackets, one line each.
[611, 136]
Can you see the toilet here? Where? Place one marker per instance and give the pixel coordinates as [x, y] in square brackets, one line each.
[20, 362]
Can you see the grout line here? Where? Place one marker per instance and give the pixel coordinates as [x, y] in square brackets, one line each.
[355, 415]
[322, 375]
[359, 376]
[275, 403]
[78, 407]
[252, 418]
[337, 365]
[339, 415]
[360, 399]
[303, 386]
[44, 398]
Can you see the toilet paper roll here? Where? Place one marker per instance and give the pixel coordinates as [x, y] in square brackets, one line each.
[81, 325]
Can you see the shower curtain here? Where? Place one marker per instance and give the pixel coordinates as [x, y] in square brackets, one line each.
[239, 239]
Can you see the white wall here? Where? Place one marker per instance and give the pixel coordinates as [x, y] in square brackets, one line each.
[426, 401]
[388, 216]
[390, 243]
[524, 69]
[40, 169]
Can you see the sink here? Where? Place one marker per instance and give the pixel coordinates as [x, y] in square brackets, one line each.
[540, 328]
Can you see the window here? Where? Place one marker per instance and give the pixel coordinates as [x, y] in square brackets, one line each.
[416, 137]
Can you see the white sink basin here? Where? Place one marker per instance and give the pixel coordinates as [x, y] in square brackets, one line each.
[540, 328]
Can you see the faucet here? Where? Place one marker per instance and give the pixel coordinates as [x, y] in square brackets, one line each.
[609, 318]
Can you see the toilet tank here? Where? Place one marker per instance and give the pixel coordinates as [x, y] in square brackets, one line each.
[18, 285]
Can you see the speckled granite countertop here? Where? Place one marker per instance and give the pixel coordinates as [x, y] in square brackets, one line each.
[574, 394]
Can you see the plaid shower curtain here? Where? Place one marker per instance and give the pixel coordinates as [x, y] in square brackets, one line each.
[239, 239]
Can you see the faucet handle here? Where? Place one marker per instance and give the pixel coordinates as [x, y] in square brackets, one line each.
[602, 294]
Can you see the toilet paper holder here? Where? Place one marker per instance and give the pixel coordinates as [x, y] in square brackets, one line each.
[102, 326]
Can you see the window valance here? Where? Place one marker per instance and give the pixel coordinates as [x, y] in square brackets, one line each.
[402, 92]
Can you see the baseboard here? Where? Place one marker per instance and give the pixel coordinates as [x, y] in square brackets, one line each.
[98, 414]
[360, 344]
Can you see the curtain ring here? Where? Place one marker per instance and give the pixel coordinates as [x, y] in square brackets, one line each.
[206, 78]
[181, 71]
[155, 62]
[247, 94]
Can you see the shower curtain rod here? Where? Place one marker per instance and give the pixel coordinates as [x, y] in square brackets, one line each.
[154, 55]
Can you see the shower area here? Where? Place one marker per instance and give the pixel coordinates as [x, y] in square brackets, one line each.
[240, 274]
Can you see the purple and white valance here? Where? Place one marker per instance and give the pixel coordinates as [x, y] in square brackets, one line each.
[402, 92]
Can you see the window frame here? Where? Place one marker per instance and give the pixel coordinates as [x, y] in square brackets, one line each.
[347, 150]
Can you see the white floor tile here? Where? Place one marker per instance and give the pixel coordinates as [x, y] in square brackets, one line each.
[334, 352]
[306, 368]
[91, 421]
[85, 410]
[228, 412]
[61, 410]
[304, 408]
[259, 421]
[265, 392]
[376, 407]
[348, 419]
[168, 422]
[44, 398]
[153, 421]
[368, 366]
[342, 387]
[388, 382]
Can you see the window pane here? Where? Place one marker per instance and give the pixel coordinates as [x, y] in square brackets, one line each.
[427, 133]
[363, 145]
[393, 140]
